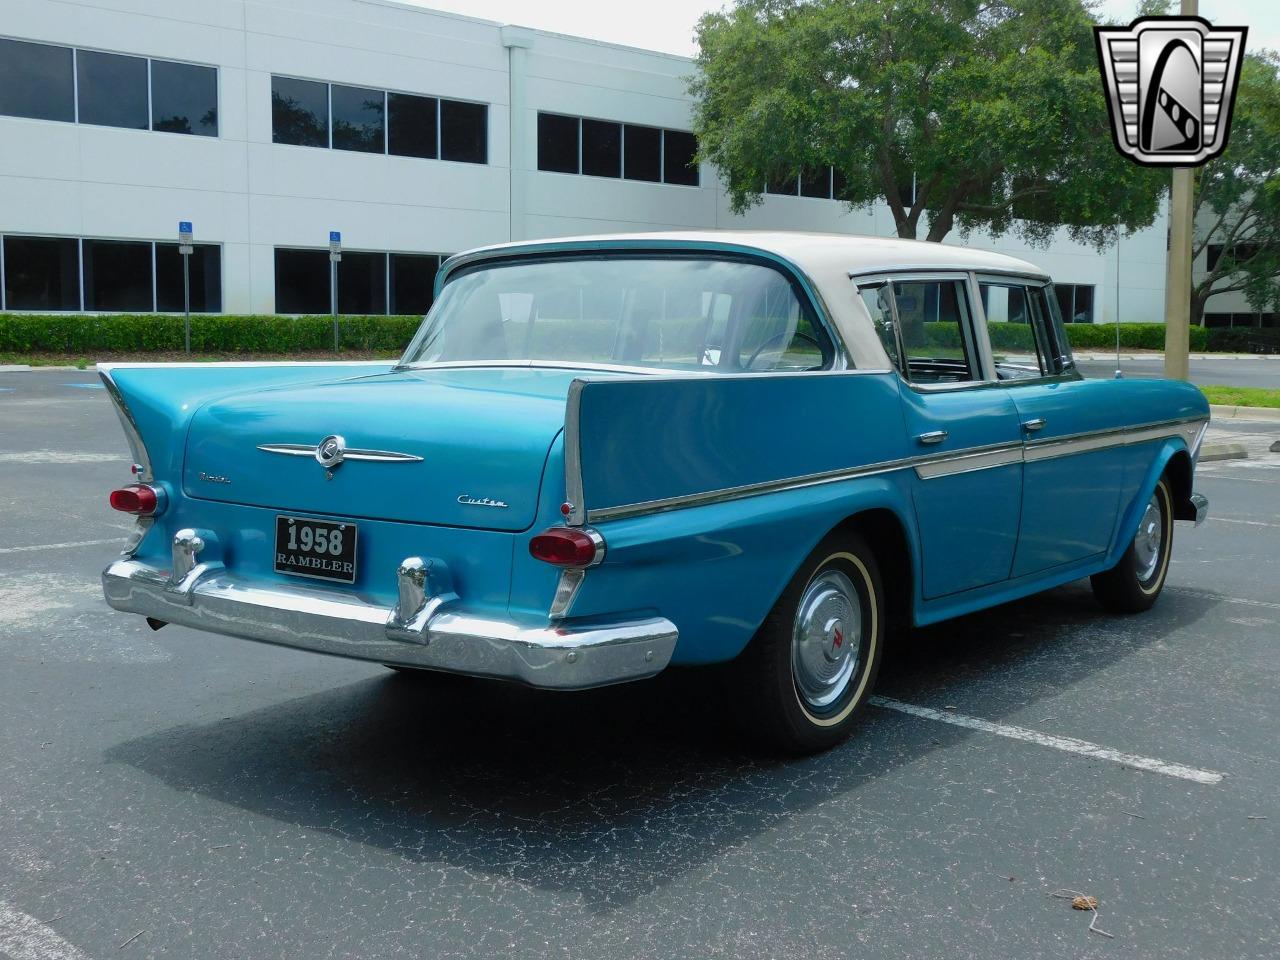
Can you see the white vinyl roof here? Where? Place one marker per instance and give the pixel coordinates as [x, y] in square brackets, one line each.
[828, 260]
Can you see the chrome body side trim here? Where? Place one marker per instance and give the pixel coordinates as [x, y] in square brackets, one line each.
[927, 466]
[573, 494]
[309, 450]
[442, 636]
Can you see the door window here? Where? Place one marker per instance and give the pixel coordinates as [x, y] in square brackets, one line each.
[1025, 341]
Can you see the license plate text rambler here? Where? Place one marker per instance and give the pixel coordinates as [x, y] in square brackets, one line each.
[600, 457]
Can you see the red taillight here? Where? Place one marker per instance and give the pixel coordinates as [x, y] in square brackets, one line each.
[567, 547]
[137, 498]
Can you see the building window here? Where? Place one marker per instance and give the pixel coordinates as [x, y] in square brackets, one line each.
[299, 112]
[41, 273]
[302, 281]
[107, 89]
[184, 98]
[374, 121]
[1240, 252]
[412, 127]
[1075, 301]
[642, 153]
[112, 89]
[117, 276]
[1241, 319]
[558, 149]
[412, 282]
[679, 158]
[66, 273]
[362, 283]
[464, 132]
[820, 183]
[369, 283]
[205, 273]
[606, 148]
[357, 119]
[37, 81]
[601, 148]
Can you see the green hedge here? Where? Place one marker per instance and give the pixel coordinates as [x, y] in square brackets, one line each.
[1083, 336]
[226, 333]
[210, 333]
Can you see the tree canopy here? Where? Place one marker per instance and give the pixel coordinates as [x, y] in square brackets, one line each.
[995, 106]
[1238, 196]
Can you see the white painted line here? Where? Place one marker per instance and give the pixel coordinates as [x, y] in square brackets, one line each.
[1209, 595]
[59, 546]
[1069, 744]
[1252, 523]
[1222, 476]
[23, 937]
[58, 456]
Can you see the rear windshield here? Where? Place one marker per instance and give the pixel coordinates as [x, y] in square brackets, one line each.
[705, 313]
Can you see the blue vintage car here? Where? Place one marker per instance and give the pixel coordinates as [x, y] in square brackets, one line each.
[603, 456]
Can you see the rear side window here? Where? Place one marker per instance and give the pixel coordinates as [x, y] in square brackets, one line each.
[1025, 341]
[924, 326]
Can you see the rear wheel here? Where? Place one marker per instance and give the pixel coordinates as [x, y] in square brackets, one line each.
[1134, 583]
[810, 668]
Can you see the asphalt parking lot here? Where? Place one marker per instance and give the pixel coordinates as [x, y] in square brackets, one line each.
[1261, 371]
[180, 795]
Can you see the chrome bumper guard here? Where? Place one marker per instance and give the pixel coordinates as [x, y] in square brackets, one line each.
[425, 629]
[1201, 504]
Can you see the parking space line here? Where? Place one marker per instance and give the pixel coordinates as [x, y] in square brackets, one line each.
[23, 937]
[1068, 744]
[58, 456]
[1252, 523]
[1208, 595]
[58, 546]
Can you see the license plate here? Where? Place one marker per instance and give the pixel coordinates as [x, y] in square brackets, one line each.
[321, 549]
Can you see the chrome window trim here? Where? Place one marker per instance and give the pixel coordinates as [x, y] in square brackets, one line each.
[959, 461]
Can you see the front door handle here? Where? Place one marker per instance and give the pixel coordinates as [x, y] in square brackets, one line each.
[1031, 426]
[933, 436]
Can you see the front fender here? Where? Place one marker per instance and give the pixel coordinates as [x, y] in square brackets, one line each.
[716, 570]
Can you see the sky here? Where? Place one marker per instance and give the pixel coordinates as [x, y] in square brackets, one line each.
[667, 25]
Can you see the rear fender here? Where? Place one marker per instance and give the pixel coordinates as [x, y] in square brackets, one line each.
[717, 570]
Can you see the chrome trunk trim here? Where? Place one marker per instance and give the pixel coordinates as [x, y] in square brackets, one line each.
[350, 453]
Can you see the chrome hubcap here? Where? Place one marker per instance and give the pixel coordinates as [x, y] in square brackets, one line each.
[1146, 545]
[826, 639]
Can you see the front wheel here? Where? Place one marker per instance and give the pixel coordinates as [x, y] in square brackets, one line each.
[811, 666]
[1134, 583]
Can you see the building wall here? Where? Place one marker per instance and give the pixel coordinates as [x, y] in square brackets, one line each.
[250, 195]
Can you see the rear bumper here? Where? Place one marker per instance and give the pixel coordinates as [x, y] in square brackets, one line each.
[437, 635]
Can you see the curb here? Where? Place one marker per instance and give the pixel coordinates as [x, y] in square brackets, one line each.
[1223, 451]
[1220, 412]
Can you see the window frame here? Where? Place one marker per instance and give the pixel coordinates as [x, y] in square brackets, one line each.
[1054, 336]
[976, 345]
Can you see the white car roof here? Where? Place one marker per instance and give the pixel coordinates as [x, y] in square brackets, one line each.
[812, 252]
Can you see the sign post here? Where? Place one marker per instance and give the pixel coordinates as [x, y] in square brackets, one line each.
[185, 236]
[335, 257]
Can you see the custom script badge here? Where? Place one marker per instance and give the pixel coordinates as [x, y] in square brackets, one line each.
[1171, 83]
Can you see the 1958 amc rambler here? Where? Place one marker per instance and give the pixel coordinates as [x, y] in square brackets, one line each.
[602, 456]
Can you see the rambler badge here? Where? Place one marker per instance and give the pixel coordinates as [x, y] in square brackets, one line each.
[1171, 83]
[332, 452]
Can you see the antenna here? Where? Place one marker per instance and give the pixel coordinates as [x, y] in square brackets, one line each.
[1119, 372]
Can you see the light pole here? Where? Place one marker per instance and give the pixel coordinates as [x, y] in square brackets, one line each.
[1177, 294]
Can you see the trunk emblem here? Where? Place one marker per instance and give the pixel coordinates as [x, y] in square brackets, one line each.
[469, 501]
[332, 452]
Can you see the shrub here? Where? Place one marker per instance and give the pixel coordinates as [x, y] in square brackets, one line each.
[1082, 336]
[210, 333]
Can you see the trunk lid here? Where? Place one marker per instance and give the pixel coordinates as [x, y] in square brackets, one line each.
[482, 435]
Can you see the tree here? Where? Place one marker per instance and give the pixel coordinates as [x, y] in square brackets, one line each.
[1238, 196]
[995, 106]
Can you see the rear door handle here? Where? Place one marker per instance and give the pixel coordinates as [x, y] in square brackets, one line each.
[933, 436]
[1031, 426]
